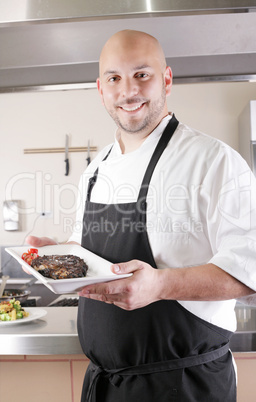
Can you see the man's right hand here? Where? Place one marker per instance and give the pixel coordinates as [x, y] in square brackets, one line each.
[38, 242]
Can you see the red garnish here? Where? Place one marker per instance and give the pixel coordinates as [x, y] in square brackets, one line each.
[33, 251]
[30, 255]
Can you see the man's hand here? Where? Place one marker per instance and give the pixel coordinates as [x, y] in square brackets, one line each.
[38, 242]
[138, 290]
[147, 285]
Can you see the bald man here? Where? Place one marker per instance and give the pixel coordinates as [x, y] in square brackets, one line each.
[134, 86]
[152, 208]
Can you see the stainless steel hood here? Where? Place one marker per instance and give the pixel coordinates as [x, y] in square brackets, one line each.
[54, 44]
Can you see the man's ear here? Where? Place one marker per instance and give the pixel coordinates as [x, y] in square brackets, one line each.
[100, 90]
[168, 80]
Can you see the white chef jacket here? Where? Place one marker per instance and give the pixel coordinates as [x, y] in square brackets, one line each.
[201, 207]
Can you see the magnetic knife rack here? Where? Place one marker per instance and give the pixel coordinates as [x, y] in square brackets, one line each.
[58, 150]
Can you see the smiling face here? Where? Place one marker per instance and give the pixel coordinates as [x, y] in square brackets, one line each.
[134, 82]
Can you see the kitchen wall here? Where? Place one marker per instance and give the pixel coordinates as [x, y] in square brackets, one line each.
[41, 120]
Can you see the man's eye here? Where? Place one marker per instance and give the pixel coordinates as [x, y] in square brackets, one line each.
[113, 79]
[142, 75]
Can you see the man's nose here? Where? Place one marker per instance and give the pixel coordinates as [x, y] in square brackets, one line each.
[129, 87]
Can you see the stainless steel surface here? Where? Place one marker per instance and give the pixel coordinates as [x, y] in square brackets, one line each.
[3, 283]
[10, 293]
[90, 85]
[28, 284]
[30, 10]
[57, 44]
[39, 291]
[244, 340]
[55, 333]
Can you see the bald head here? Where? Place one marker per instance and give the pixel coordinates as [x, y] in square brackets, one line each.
[134, 82]
[127, 40]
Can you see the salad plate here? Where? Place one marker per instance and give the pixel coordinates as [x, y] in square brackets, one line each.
[34, 314]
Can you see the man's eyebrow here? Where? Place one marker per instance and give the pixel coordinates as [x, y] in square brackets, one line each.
[107, 72]
[136, 68]
[141, 67]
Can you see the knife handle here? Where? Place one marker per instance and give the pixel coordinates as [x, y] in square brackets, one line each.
[67, 167]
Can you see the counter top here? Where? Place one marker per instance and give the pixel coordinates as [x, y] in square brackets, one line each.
[56, 333]
[244, 339]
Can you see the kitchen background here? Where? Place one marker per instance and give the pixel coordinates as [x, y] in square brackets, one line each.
[48, 59]
[48, 66]
[42, 119]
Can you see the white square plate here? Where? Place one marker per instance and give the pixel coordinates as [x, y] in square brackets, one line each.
[98, 268]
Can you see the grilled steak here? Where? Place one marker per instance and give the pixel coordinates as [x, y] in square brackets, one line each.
[60, 266]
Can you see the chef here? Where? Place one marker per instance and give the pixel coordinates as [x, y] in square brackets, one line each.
[176, 209]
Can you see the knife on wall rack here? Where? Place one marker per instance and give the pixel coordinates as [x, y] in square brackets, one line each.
[66, 156]
[88, 153]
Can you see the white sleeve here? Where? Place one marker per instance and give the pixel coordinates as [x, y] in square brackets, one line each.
[231, 216]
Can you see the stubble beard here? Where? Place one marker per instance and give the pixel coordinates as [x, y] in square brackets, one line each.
[151, 120]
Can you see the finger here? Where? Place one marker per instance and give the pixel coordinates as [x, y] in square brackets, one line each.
[126, 267]
[40, 241]
[26, 270]
[109, 298]
[107, 288]
[118, 300]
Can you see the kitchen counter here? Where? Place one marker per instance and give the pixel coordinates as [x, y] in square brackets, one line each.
[244, 339]
[53, 334]
[56, 333]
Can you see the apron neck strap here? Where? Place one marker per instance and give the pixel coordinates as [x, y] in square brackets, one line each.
[93, 179]
[162, 144]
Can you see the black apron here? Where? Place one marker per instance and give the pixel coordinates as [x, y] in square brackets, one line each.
[158, 353]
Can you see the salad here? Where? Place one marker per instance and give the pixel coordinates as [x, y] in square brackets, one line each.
[11, 310]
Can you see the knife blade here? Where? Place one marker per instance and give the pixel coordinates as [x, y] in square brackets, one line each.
[66, 156]
[88, 154]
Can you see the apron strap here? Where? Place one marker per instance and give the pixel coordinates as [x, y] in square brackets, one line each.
[93, 179]
[162, 143]
[115, 375]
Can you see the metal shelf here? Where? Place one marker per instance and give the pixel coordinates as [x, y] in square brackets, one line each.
[58, 150]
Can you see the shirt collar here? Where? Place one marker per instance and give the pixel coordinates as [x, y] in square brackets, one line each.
[156, 133]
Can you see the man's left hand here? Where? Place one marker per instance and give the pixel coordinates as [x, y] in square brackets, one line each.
[138, 290]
